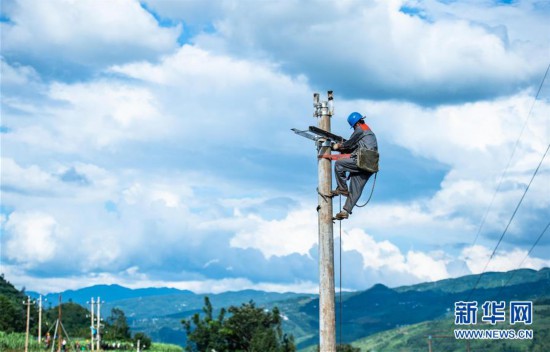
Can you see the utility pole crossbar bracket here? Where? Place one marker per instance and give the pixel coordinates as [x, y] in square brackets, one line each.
[324, 134]
[316, 134]
[305, 134]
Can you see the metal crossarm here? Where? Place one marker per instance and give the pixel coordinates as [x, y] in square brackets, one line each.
[324, 134]
[316, 133]
[305, 134]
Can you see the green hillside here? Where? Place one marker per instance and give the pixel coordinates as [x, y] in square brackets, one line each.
[488, 280]
[365, 313]
[381, 308]
[415, 337]
[13, 311]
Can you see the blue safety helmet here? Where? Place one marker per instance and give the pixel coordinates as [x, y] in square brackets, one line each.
[353, 118]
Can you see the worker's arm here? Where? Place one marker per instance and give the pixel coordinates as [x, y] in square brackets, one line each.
[352, 142]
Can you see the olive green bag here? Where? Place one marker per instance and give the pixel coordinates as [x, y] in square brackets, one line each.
[368, 160]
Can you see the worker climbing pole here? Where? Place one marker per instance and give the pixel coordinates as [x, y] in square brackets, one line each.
[361, 163]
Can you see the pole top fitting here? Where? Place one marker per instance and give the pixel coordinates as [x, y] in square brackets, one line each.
[321, 108]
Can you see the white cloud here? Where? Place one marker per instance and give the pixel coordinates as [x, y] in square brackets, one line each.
[84, 32]
[31, 178]
[387, 258]
[135, 279]
[475, 141]
[225, 98]
[17, 75]
[168, 192]
[362, 35]
[95, 115]
[32, 238]
[294, 234]
[173, 160]
[477, 257]
[47, 181]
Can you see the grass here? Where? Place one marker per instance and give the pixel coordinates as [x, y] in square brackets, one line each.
[15, 342]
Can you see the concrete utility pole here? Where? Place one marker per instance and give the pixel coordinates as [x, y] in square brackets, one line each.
[40, 318]
[28, 304]
[98, 323]
[327, 332]
[60, 325]
[92, 324]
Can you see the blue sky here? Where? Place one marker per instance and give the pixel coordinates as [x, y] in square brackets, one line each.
[148, 143]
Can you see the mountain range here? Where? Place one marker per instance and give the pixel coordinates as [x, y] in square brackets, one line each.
[159, 311]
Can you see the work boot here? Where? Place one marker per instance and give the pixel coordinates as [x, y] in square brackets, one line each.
[341, 215]
[339, 191]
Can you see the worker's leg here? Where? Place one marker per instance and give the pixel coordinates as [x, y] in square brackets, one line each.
[342, 166]
[357, 182]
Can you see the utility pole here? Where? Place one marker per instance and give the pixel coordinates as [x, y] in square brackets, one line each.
[324, 139]
[28, 304]
[327, 333]
[92, 324]
[60, 324]
[98, 323]
[39, 318]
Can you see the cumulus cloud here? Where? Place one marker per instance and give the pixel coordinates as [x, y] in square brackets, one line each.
[17, 75]
[377, 50]
[82, 33]
[476, 142]
[477, 257]
[32, 238]
[31, 178]
[95, 115]
[177, 166]
[387, 258]
[279, 237]
[225, 96]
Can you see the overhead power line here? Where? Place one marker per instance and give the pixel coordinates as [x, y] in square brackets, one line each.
[524, 259]
[505, 171]
[511, 157]
[509, 222]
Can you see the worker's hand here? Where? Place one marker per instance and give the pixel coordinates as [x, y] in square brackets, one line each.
[335, 146]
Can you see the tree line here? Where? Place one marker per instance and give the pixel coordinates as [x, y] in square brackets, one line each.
[75, 318]
[239, 328]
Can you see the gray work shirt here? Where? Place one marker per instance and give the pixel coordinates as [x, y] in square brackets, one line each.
[361, 137]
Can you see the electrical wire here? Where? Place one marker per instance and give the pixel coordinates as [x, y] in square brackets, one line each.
[525, 258]
[505, 171]
[371, 192]
[509, 222]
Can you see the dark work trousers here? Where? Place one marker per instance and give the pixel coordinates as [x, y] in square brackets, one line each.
[358, 180]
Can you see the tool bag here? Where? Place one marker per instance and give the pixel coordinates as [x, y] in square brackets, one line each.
[367, 160]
